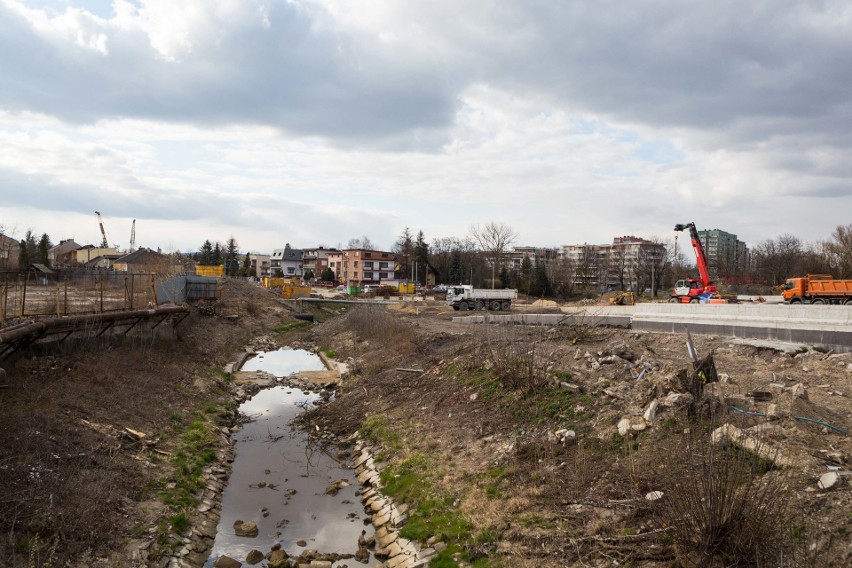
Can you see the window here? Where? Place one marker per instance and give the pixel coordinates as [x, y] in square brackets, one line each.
[384, 255]
[383, 265]
[356, 264]
[368, 265]
[367, 255]
[368, 276]
[355, 275]
[386, 275]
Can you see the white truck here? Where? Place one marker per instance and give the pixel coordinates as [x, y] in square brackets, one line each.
[466, 297]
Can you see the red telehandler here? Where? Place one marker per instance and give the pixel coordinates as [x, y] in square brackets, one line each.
[692, 291]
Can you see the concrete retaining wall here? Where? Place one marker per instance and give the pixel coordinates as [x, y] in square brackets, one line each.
[829, 327]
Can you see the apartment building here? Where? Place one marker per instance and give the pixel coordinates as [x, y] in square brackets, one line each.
[315, 260]
[286, 262]
[726, 255]
[357, 267]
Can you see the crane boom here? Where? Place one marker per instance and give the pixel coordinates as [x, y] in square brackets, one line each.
[133, 236]
[104, 243]
[700, 258]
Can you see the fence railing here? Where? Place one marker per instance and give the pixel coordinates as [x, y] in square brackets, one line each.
[74, 292]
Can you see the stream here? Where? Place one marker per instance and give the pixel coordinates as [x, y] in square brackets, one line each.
[279, 479]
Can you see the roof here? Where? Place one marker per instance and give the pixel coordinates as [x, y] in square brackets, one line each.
[40, 268]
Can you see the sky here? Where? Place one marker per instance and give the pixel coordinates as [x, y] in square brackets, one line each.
[313, 122]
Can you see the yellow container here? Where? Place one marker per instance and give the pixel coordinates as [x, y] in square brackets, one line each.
[291, 292]
[215, 271]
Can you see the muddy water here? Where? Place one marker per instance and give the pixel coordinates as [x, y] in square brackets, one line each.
[279, 478]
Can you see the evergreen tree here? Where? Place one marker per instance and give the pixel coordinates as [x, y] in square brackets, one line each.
[205, 255]
[230, 257]
[216, 257]
[421, 257]
[540, 282]
[454, 274]
[44, 246]
[404, 250]
[327, 275]
[526, 274]
[247, 266]
[29, 250]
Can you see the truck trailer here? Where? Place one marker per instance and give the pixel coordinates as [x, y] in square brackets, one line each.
[817, 289]
[466, 297]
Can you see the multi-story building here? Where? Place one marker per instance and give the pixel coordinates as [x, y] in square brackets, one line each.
[726, 255]
[260, 264]
[286, 262]
[515, 258]
[316, 260]
[629, 263]
[357, 267]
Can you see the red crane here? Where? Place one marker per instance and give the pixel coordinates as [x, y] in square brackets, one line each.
[692, 290]
[104, 243]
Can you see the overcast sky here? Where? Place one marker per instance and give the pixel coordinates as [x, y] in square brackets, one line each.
[312, 122]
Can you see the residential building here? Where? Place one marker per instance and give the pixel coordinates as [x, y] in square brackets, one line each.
[147, 260]
[87, 253]
[357, 267]
[261, 264]
[315, 260]
[629, 263]
[515, 258]
[10, 251]
[60, 255]
[726, 255]
[286, 262]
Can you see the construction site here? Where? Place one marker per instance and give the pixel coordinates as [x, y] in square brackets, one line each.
[575, 434]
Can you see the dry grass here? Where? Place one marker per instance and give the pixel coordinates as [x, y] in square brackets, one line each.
[517, 356]
[724, 506]
[373, 323]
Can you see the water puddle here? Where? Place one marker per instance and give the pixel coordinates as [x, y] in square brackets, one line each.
[279, 479]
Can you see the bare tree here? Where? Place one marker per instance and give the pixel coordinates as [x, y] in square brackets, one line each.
[562, 273]
[494, 239]
[840, 251]
[363, 243]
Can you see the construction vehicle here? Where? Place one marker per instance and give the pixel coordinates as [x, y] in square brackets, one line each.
[693, 291]
[817, 289]
[623, 299]
[104, 243]
[465, 297]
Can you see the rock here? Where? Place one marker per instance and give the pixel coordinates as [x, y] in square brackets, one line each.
[651, 411]
[654, 495]
[226, 562]
[336, 486]
[254, 556]
[363, 555]
[248, 529]
[799, 390]
[570, 387]
[276, 559]
[320, 564]
[829, 480]
[474, 396]
[623, 426]
[675, 399]
[565, 436]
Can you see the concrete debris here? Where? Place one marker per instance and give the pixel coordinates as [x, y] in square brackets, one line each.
[654, 495]
[651, 411]
[728, 433]
[799, 390]
[829, 480]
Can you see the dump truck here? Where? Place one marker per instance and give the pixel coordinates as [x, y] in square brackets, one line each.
[817, 289]
[466, 297]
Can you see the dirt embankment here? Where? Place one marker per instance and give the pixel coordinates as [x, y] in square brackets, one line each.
[76, 483]
[583, 447]
[514, 446]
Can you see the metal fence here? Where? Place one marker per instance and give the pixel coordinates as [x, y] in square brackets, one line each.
[70, 292]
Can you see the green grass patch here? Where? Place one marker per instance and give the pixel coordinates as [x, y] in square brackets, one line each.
[376, 431]
[290, 326]
[330, 353]
[563, 375]
[431, 512]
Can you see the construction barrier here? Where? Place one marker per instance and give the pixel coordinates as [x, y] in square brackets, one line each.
[215, 271]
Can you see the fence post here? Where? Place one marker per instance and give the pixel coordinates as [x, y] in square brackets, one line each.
[101, 280]
[3, 305]
[125, 291]
[132, 280]
[65, 308]
[154, 289]
[24, 297]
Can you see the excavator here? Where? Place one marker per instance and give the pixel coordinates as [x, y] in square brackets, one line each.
[693, 291]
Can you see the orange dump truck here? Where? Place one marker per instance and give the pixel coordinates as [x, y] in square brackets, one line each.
[817, 289]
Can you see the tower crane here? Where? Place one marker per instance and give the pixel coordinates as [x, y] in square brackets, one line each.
[104, 243]
[133, 236]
